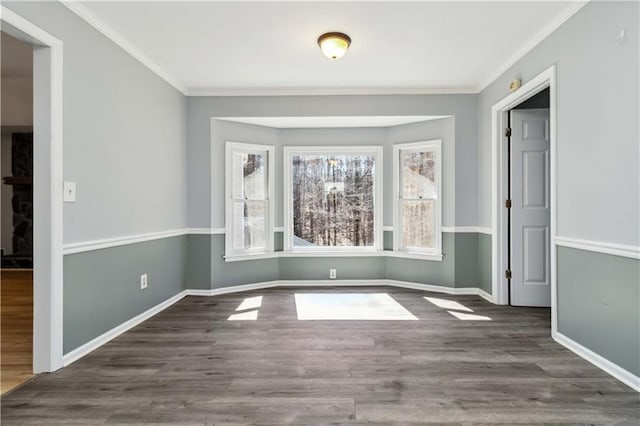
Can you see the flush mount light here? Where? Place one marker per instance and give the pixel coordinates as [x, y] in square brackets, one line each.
[334, 45]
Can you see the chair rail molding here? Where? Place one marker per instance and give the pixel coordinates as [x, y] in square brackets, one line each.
[613, 249]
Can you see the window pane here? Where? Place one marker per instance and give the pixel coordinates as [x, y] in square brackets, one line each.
[249, 176]
[249, 224]
[417, 223]
[333, 200]
[418, 175]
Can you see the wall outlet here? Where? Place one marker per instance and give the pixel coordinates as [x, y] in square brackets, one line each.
[332, 274]
[143, 281]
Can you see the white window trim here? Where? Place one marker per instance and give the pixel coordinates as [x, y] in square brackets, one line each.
[288, 153]
[230, 253]
[435, 254]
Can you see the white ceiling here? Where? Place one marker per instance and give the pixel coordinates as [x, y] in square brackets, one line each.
[238, 47]
[333, 122]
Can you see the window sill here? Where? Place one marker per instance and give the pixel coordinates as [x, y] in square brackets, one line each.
[256, 256]
[334, 253]
[343, 253]
[415, 255]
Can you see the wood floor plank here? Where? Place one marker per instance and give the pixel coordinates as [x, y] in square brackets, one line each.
[190, 365]
[16, 329]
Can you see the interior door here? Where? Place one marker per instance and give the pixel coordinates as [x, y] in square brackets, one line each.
[530, 213]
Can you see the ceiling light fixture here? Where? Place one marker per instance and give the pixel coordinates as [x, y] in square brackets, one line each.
[334, 45]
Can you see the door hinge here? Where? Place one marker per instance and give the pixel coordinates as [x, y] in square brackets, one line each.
[507, 132]
[507, 203]
[507, 274]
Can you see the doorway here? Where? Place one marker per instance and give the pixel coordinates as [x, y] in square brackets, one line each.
[47, 183]
[528, 211]
[500, 191]
[16, 212]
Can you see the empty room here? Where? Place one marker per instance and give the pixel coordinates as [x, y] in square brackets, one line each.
[320, 212]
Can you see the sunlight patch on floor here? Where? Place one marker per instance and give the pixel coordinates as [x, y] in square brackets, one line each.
[350, 306]
[454, 309]
[244, 316]
[249, 309]
[469, 317]
[448, 304]
[250, 303]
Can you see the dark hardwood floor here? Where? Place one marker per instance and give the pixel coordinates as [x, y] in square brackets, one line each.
[190, 365]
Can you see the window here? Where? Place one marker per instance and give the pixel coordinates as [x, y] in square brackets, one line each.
[249, 194]
[417, 194]
[333, 198]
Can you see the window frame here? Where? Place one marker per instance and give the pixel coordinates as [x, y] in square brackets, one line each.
[434, 146]
[288, 153]
[250, 148]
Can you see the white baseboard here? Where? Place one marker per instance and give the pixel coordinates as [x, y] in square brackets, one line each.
[232, 289]
[442, 289]
[94, 344]
[342, 283]
[602, 363]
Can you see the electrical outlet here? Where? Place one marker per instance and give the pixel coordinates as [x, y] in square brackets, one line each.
[332, 274]
[143, 281]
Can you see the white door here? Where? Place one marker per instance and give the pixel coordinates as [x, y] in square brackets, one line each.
[530, 214]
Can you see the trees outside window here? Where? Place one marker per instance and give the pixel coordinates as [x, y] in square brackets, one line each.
[333, 198]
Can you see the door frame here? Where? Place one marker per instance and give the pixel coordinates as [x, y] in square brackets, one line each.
[47, 189]
[499, 244]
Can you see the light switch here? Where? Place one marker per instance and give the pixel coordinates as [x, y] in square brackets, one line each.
[69, 192]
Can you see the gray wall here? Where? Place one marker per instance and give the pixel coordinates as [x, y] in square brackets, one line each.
[484, 263]
[597, 109]
[461, 265]
[102, 287]
[124, 134]
[125, 146]
[597, 160]
[598, 299]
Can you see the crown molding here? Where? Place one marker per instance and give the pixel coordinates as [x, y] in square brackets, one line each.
[329, 91]
[532, 42]
[123, 43]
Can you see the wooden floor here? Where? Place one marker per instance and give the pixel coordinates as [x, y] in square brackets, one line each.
[16, 328]
[189, 365]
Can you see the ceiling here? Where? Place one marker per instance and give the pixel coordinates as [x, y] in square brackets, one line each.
[239, 47]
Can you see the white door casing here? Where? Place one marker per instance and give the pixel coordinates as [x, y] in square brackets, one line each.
[530, 211]
[47, 189]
